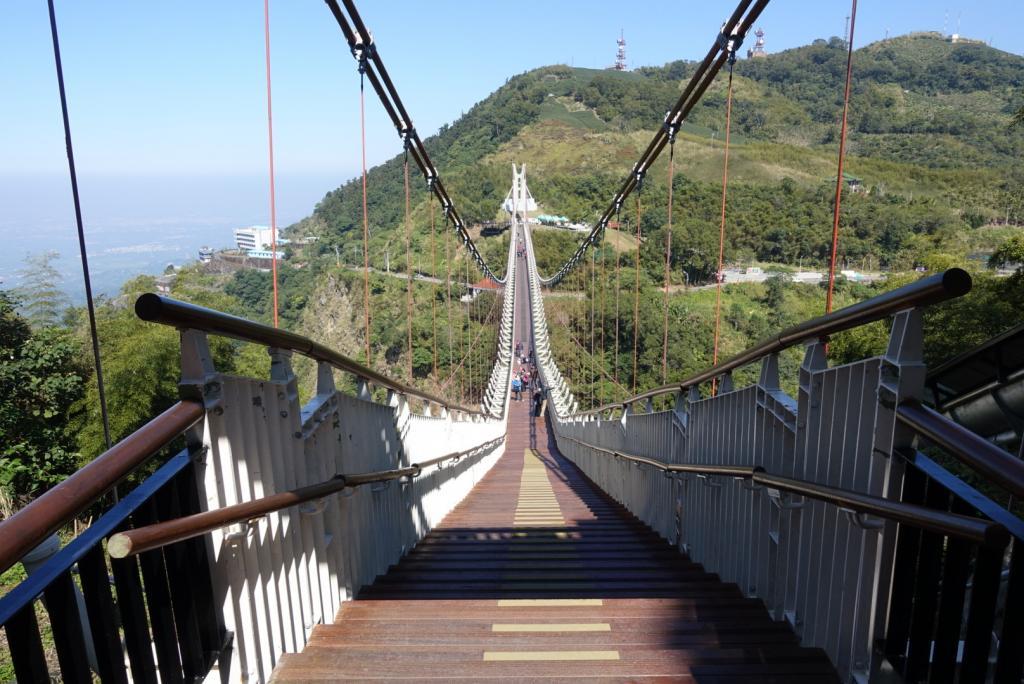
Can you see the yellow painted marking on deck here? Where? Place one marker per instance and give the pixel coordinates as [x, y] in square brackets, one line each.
[537, 505]
[549, 603]
[552, 627]
[550, 655]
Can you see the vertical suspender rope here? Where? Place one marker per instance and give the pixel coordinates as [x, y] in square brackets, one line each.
[636, 288]
[469, 331]
[408, 261]
[601, 335]
[618, 223]
[839, 173]
[270, 152]
[668, 253]
[366, 218]
[448, 296]
[93, 333]
[462, 340]
[433, 274]
[721, 227]
[593, 295]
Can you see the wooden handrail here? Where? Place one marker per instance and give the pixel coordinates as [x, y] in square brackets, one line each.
[154, 536]
[973, 529]
[27, 528]
[158, 309]
[937, 288]
[997, 465]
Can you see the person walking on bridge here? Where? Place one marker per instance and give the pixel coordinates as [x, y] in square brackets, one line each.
[538, 400]
[517, 386]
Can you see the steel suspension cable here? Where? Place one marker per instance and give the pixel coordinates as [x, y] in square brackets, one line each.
[636, 288]
[489, 318]
[469, 330]
[366, 218]
[364, 49]
[600, 338]
[618, 224]
[90, 306]
[593, 296]
[583, 350]
[668, 256]
[842, 154]
[408, 262]
[448, 296]
[270, 152]
[729, 38]
[433, 289]
[721, 227]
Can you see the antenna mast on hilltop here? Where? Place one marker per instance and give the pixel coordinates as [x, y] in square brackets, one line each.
[758, 49]
[620, 55]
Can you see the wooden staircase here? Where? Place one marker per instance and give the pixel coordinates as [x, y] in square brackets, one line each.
[538, 574]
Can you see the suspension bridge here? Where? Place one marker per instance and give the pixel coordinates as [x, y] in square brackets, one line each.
[704, 530]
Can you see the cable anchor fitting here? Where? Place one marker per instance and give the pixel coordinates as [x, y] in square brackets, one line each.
[671, 129]
[729, 43]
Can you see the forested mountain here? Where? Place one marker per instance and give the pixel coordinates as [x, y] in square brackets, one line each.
[928, 117]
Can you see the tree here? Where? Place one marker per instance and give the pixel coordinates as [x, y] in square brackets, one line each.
[1010, 253]
[1018, 118]
[40, 379]
[42, 300]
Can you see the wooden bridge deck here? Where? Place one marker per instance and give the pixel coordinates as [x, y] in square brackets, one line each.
[538, 574]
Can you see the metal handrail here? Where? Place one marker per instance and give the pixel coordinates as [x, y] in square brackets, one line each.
[27, 528]
[937, 288]
[973, 529]
[158, 309]
[160, 534]
[997, 465]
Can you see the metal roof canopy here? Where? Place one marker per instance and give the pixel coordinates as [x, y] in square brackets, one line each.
[983, 388]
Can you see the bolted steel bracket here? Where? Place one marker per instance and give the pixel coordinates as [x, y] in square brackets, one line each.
[863, 520]
[708, 481]
[785, 500]
[239, 532]
[315, 507]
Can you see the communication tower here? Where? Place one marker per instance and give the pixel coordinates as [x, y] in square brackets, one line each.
[620, 55]
[758, 49]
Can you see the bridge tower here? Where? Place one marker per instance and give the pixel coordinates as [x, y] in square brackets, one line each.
[519, 200]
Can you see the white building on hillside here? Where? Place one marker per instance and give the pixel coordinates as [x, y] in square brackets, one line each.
[256, 237]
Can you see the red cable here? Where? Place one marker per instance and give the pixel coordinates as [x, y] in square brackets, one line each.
[448, 297]
[600, 337]
[366, 223]
[593, 298]
[839, 174]
[721, 233]
[408, 264]
[433, 273]
[618, 224]
[668, 259]
[490, 314]
[636, 293]
[270, 141]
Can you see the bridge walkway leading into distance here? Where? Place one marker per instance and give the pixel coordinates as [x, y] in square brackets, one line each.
[538, 573]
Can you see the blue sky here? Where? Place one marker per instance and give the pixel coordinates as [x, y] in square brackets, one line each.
[177, 88]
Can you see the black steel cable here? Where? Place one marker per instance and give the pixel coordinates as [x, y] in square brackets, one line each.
[81, 230]
[729, 39]
[363, 48]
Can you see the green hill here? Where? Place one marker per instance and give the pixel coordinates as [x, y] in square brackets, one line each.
[929, 135]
